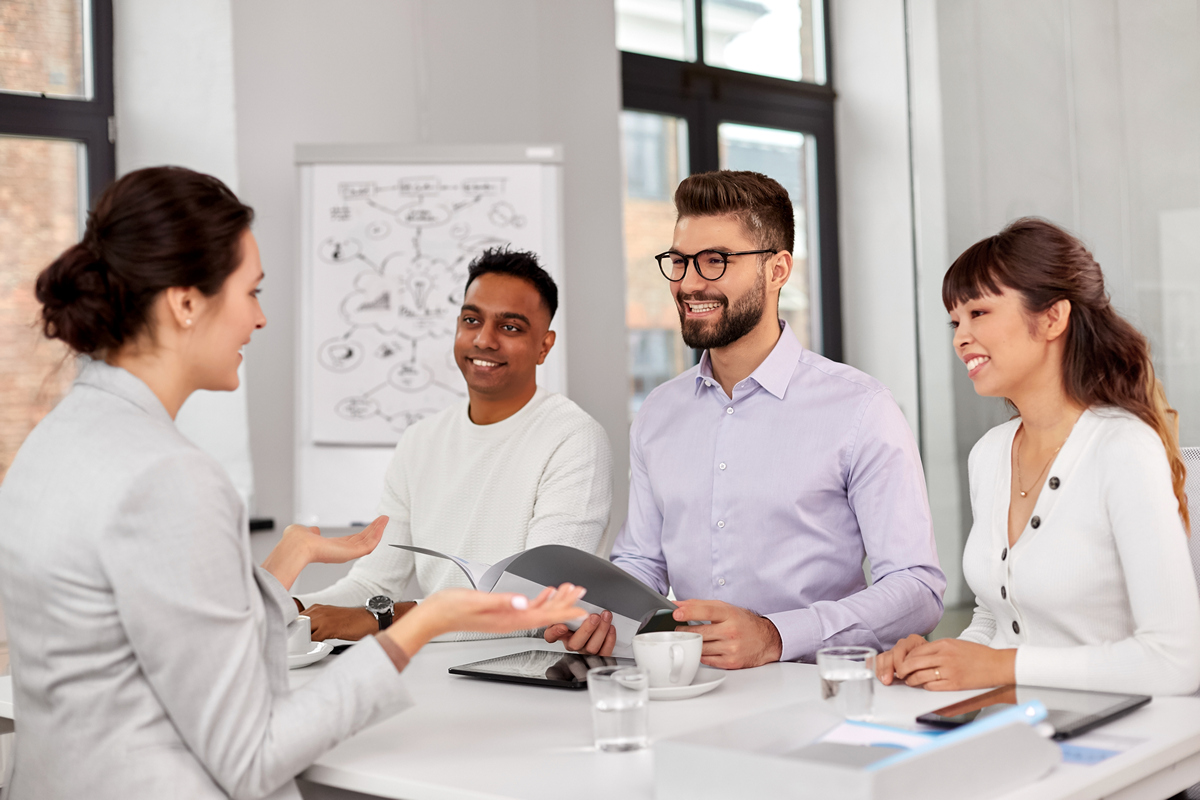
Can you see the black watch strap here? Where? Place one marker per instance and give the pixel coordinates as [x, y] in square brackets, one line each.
[382, 608]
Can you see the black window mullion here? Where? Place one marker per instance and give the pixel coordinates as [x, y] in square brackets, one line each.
[85, 121]
[827, 241]
[102, 155]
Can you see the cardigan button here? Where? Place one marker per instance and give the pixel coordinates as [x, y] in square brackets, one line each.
[1055, 483]
[1016, 627]
[1035, 522]
[1003, 593]
[1004, 554]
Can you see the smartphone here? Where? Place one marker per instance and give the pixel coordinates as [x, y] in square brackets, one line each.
[969, 710]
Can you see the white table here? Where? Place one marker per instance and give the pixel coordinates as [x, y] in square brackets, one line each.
[474, 739]
[469, 739]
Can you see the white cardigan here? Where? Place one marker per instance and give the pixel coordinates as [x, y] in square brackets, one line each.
[1098, 592]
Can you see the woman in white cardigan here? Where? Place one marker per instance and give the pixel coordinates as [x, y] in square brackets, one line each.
[148, 652]
[1078, 554]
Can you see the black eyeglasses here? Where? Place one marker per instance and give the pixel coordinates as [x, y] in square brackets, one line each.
[710, 264]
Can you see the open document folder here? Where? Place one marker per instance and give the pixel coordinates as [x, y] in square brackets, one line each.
[635, 607]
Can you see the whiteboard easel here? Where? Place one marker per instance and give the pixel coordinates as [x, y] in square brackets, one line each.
[387, 232]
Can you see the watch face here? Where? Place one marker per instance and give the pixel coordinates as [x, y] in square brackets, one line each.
[379, 604]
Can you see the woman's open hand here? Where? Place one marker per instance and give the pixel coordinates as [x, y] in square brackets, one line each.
[340, 549]
[468, 610]
[302, 545]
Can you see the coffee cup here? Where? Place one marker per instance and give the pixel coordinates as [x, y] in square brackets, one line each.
[299, 636]
[671, 658]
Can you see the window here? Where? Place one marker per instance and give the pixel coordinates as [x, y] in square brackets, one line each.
[55, 152]
[725, 84]
[655, 156]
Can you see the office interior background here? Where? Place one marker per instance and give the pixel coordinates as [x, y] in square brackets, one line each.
[904, 130]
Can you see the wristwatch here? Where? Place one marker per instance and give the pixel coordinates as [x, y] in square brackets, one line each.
[381, 607]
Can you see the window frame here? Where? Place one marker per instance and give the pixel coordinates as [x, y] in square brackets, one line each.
[88, 122]
[706, 96]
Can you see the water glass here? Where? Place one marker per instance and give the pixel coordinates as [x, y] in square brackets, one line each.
[848, 679]
[620, 707]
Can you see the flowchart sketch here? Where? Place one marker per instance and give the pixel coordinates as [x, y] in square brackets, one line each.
[390, 246]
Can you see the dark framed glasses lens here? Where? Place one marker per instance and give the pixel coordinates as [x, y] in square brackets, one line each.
[711, 263]
[672, 265]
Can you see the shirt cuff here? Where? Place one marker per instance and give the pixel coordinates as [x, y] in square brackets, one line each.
[799, 633]
[394, 651]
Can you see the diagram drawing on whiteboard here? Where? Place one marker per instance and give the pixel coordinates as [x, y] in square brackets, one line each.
[392, 248]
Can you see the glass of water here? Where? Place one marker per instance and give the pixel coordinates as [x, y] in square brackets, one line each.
[848, 679]
[620, 707]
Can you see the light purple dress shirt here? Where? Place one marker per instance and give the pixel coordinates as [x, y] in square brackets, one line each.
[770, 500]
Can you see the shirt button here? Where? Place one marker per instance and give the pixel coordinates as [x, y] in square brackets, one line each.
[729, 410]
[722, 465]
[708, 383]
[1003, 593]
[1054, 483]
[1004, 554]
[1016, 627]
[1035, 522]
[720, 523]
[720, 581]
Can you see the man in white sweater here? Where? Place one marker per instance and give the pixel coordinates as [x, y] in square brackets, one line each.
[510, 468]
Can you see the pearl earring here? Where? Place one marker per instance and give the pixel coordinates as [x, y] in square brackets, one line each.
[187, 322]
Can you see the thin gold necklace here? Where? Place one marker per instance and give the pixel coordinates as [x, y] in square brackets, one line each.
[1040, 474]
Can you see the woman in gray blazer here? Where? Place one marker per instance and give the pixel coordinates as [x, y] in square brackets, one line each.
[148, 652]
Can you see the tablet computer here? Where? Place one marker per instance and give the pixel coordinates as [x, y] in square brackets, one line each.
[541, 668]
[1071, 712]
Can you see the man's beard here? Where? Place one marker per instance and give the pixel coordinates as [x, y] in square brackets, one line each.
[734, 323]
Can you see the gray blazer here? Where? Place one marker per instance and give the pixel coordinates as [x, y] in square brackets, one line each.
[148, 652]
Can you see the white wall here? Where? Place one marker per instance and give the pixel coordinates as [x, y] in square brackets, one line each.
[173, 75]
[892, 235]
[419, 71]
[874, 195]
[1085, 112]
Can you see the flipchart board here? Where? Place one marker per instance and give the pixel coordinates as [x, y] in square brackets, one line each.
[387, 234]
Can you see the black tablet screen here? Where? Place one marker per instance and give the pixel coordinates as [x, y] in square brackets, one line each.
[1070, 712]
[545, 667]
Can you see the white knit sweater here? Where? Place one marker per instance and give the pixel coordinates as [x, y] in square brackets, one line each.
[1098, 592]
[484, 492]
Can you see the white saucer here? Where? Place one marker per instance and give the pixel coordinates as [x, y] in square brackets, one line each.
[319, 650]
[705, 681]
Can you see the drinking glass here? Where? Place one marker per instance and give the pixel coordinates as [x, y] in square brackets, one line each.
[848, 679]
[620, 707]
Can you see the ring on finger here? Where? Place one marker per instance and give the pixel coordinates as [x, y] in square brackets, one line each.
[937, 674]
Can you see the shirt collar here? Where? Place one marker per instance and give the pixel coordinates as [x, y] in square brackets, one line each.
[774, 373]
[99, 374]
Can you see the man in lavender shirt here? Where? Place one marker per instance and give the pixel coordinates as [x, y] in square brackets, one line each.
[762, 476]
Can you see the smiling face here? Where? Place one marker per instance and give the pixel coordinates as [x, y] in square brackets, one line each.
[226, 323]
[503, 334]
[1003, 348]
[714, 314]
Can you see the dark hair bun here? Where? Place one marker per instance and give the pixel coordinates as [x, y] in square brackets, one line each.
[78, 302]
[152, 229]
